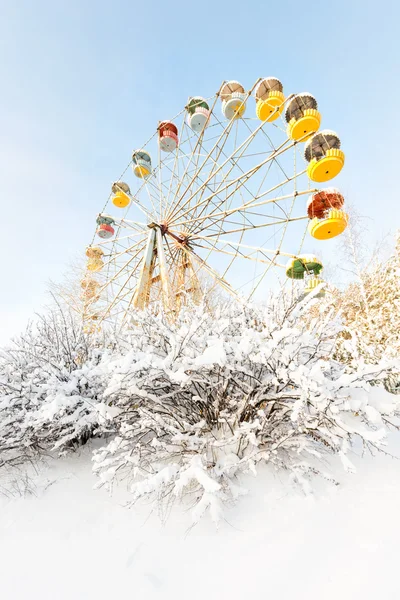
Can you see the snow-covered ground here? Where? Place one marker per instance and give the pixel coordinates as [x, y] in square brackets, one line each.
[69, 541]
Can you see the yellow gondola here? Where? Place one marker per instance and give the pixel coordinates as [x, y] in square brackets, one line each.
[269, 99]
[329, 227]
[324, 156]
[302, 117]
[95, 264]
[121, 192]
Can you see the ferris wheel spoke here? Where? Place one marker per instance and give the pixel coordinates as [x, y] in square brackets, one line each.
[172, 251]
[149, 185]
[122, 292]
[258, 226]
[272, 261]
[213, 173]
[114, 256]
[219, 146]
[118, 296]
[177, 177]
[212, 186]
[225, 220]
[200, 138]
[196, 166]
[175, 167]
[160, 182]
[233, 159]
[244, 207]
[284, 229]
[209, 254]
[124, 242]
[217, 207]
[191, 177]
[172, 259]
[268, 261]
[244, 145]
[177, 205]
[124, 302]
[164, 188]
[178, 263]
[254, 249]
[134, 228]
[135, 202]
[272, 146]
[187, 281]
[220, 201]
[210, 270]
[235, 163]
[135, 225]
[186, 175]
[116, 288]
[249, 173]
[121, 306]
[215, 194]
[121, 270]
[143, 186]
[110, 247]
[211, 247]
[118, 249]
[224, 135]
[246, 175]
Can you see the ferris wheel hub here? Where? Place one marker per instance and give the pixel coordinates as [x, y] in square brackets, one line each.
[181, 239]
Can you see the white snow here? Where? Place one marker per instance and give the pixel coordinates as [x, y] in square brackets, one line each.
[213, 354]
[68, 541]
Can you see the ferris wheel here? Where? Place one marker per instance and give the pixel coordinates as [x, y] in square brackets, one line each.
[221, 195]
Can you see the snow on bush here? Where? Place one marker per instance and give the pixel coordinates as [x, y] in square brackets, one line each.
[50, 388]
[210, 396]
[370, 311]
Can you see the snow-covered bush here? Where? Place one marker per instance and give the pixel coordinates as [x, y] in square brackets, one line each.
[209, 396]
[370, 312]
[189, 405]
[51, 385]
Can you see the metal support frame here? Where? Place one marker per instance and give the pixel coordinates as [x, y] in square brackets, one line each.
[162, 264]
[142, 294]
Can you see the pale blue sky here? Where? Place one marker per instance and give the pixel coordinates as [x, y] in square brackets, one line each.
[83, 83]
